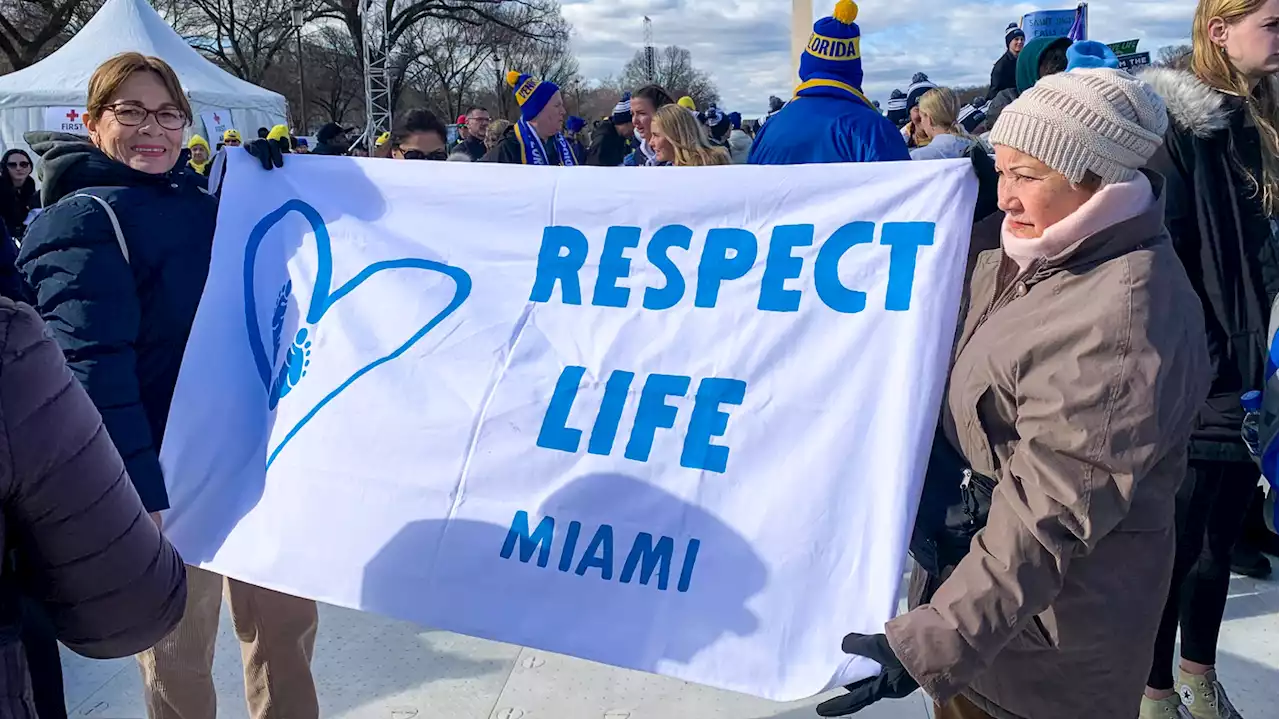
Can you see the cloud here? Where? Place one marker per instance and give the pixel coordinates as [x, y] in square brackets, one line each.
[745, 44]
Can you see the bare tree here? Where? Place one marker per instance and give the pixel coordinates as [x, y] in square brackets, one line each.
[335, 75]
[1175, 56]
[243, 36]
[401, 16]
[450, 56]
[673, 70]
[31, 29]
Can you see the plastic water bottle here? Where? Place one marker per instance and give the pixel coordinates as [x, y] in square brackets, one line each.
[1251, 401]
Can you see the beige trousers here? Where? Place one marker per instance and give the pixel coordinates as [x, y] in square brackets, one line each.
[277, 635]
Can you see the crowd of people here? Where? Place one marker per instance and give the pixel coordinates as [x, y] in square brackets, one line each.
[1121, 280]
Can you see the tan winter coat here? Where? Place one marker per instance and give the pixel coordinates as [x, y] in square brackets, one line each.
[1076, 385]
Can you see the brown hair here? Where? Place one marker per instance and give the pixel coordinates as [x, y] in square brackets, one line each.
[1209, 63]
[113, 73]
[685, 133]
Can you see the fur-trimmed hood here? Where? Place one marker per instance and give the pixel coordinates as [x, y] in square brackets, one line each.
[1194, 107]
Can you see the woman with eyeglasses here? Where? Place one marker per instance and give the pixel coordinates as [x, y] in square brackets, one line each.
[419, 135]
[118, 262]
[18, 170]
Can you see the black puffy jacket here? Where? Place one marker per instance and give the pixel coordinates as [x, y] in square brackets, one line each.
[122, 324]
[1226, 242]
[608, 147]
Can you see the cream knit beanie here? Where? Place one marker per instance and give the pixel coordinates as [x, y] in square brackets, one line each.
[1098, 119]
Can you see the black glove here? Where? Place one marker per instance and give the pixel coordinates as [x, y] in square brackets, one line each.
[268, 153]
[892, 682]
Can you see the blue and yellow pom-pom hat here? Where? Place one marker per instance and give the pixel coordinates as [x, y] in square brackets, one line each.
[532, 94]
[834, 54]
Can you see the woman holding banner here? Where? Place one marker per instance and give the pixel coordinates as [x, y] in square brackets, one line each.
[1220, 158]
[118, 263]
[1070, 402]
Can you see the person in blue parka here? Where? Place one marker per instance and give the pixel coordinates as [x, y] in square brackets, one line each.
[829, 120]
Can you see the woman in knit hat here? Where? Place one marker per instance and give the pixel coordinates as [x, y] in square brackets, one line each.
[940, 122]
[536, 138]
[678, 139]
[200, 155]
[1221, 162]
[830, 120]
[1070, 402]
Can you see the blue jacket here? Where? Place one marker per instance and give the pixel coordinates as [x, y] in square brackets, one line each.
[123, 325]
[827, 129]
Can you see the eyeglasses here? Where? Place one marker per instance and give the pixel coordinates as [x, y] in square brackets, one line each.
[134, 115]
[18, 164]
[420, 155]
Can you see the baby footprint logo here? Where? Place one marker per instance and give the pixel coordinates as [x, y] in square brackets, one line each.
[283, 372]
[296, 359]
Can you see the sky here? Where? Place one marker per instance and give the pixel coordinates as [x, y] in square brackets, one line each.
[745, 44]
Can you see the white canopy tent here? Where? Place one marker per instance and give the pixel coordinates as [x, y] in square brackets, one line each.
[61, 80]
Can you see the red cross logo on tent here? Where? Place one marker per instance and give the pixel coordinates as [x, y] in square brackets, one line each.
[72, 115]
[216, 119]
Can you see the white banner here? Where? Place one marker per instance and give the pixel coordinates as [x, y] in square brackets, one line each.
[65, 119]
[666, 419]
[216, 122]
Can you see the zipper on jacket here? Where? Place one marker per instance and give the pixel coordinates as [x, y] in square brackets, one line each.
[969, 499]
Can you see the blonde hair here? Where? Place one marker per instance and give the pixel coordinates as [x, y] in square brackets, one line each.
[943, 109]
[113, 73]
[692, 146]
[1209, 62]
[493, 135]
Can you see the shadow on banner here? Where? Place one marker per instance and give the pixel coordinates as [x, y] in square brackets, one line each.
[593, 613]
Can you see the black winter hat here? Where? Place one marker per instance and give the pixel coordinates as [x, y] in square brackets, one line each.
[1011, 32]
[920, 84]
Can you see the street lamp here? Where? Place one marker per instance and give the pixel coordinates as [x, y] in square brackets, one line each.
[502, 84]
[298, 16]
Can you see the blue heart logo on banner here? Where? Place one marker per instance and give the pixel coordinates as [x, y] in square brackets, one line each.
[324, 297]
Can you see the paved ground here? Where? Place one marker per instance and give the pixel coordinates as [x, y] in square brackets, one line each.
[368, 667]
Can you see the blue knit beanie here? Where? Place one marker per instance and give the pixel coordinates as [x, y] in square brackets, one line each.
[735, 120]
[532, 94]
[574, 123]
[1091, 53]
[834, 52]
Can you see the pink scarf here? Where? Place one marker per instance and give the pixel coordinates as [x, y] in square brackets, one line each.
[1109, 206]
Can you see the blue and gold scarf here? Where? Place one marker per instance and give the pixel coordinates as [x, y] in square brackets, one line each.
[534, 152]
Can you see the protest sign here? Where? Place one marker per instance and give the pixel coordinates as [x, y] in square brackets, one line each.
[667, 419]
[216, 122]
[1124, 47]
[1054, 23]
[64, 119]
[1134, 61]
